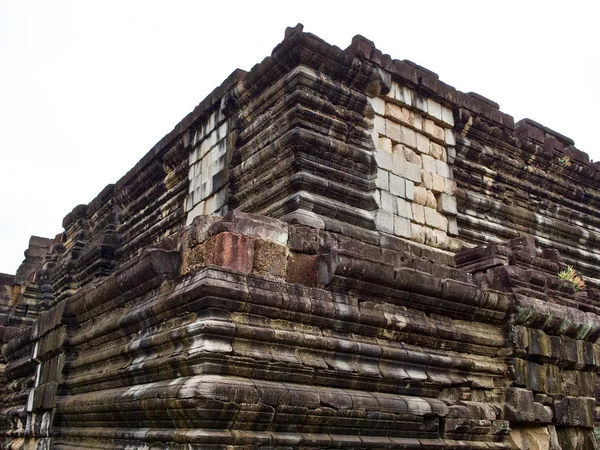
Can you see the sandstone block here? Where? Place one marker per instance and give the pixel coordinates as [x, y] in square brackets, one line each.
[418, 233]
[452, 226]
[574, 411]
[519, 405]
[423, 143]
[420, 195]
[379, 125]
[406, 169]
[404, 208]
[449, 137]
[434, 131]
[384, 143]
[409, 137]
[388, 201]
[402, 227]
[437, 151]
[384, 159]
[427, 179]
[397, 185]
[252, 225]
[447, 117]
[404, 95]
[429, 163]
[420, 102]
[434, 109]
[397, 113]
[393, 130]
[410, 190]
[451, 155]
[442, 168]
[438, 182]
[384, 221]
[449, 186]
[446, 204]
[418, 212]
[412, 157]
[431, 201]
[383, 180]
[434, 219]
[378, 105]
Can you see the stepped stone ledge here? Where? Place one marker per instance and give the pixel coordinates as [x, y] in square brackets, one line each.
[335, 249]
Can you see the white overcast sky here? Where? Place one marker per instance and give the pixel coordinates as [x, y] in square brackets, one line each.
[88, 87]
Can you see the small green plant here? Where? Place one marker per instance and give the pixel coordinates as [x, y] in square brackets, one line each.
[573, 277]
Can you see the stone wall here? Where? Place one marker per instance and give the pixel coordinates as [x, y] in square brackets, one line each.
[333, 250]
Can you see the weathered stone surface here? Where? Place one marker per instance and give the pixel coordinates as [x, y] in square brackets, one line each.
[282, 271]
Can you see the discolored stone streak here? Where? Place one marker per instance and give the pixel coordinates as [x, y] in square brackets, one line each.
[333, 250]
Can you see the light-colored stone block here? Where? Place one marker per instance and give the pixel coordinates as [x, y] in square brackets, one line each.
[437, 151]
[434, 131]
[391, 95]
[399, 150]
[418, 233]
[385, 144]
[442, 168]
[402, 227]
[384, 159]
[404, 95]
[409, 137]
[410, 190]
[432, 217]
[431, 200]
[420, 195]
[420, 102]
[446, 204]
[393, 130]
[453, 245]
[388, 202]
[418, 213]
[417, 120]
[449, 137]
[397, 113]
[449, 186]
[377, 197]
[211, 204]
[429, 163]
[379, 125]
[397, 185]
[411, 156]
[447, 117]
[451, 152]
[422, 143]
[384, 221]
[378, 105]
[197, 210]
[383, 180]
[434, 109]
[404, 208]
[438, 183]
[452, 226]
[405, 169]
[427, 179]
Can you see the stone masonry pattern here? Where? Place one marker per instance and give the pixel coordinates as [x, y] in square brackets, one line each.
[335, 249]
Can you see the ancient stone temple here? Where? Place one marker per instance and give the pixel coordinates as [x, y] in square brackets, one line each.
[335, 249]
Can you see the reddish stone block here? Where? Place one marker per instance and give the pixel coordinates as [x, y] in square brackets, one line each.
[230, 250]
[303, 269]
